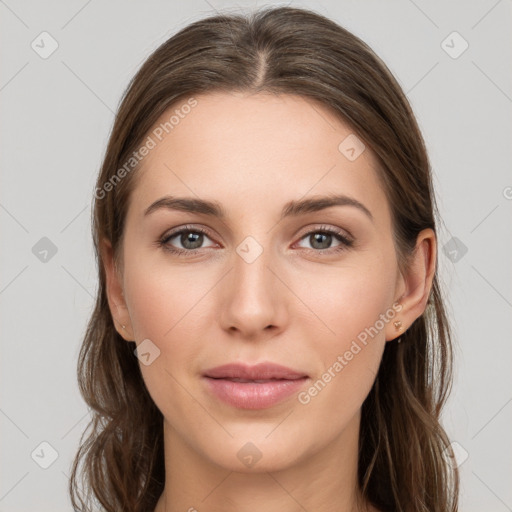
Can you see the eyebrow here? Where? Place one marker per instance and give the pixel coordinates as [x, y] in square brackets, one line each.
[290, 209]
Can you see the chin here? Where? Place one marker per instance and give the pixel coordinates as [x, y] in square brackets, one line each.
[255, 453]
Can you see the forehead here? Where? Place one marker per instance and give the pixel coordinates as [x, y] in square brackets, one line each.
[247, 148]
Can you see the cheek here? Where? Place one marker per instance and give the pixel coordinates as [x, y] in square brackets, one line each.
[347, 299]
[161, 299]
[163, 305]
[172, 307]
[347, 334]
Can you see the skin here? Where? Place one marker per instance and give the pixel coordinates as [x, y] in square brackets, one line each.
[292, 305]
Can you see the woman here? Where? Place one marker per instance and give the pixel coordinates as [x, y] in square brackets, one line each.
[269, 331]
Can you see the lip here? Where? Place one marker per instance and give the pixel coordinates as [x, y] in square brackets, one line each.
[253, 387]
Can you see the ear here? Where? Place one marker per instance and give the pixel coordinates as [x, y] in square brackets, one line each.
[415, 285]
[115, 294]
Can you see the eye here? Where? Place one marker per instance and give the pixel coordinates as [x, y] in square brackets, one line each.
[321, 240]
[190, 239]
[187, 240]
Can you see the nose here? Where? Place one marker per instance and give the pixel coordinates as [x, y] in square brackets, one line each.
[253, 300]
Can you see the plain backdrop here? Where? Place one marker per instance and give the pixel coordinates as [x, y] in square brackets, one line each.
[453, 61]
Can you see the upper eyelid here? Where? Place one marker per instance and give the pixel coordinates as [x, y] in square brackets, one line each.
[329, 229]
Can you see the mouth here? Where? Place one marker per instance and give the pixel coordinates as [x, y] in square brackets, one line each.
[261, 371]
[253, 387]
[256, 381]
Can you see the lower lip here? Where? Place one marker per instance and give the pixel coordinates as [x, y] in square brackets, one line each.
[253, 395]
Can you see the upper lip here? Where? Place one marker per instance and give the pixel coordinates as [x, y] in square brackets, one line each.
[259, 371]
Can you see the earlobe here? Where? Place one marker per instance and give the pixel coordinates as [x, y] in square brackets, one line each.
[417, 283]
[115, 294]
[399, 329]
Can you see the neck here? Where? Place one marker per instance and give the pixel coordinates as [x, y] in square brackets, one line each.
[325, 481]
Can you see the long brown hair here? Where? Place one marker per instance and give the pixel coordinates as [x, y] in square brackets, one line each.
[402, 461]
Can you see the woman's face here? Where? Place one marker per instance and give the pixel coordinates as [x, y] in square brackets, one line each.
[313, 289]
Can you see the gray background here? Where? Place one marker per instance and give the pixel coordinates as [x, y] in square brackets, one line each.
[56, 115]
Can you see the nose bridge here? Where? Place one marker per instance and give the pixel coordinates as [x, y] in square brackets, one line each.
[251, 274]
[253, 302]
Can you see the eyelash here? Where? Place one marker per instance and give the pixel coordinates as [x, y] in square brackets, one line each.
[346, 243]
